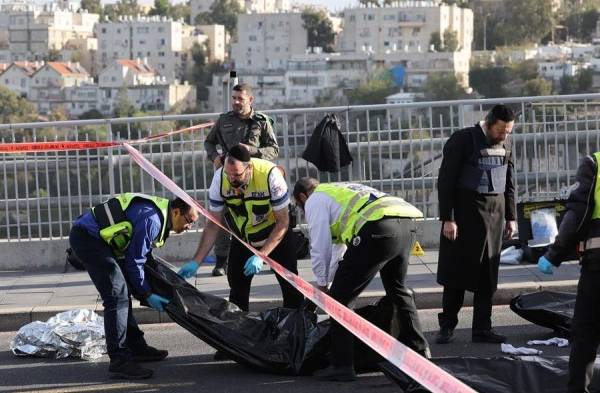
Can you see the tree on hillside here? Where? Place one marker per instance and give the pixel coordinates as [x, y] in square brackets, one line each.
[436, 40]
[581, 24]
[443, 86]
[15, 109]
[92, 6]
[525, 70]
[537, 87]
[319, 28]
[202, 71]
[181, 11]
[222, 12]
[450, 40]
[121, 8]
[489, 81]
[175, 11]
[161, 7]
[528, 21]
[374, 91]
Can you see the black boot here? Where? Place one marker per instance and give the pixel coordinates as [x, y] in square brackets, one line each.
[149, 354]
[487, 336]
[220, 266]
[446, 333]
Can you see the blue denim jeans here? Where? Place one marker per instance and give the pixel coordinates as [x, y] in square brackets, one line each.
[120, 327]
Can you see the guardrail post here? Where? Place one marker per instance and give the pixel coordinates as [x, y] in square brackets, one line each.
[111, 165]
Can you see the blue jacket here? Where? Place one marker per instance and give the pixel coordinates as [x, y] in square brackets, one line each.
[146, 221]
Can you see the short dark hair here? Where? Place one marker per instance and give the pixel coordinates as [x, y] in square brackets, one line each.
[183, 207]
[304, 185]
[243, 87]
[240, 153]
[499, 112]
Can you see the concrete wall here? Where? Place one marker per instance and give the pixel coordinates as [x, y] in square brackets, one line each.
[50, 254]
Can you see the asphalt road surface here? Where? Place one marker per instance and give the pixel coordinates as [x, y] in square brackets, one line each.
[190, 366]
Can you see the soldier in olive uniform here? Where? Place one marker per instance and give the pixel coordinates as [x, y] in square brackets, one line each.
[242, 125]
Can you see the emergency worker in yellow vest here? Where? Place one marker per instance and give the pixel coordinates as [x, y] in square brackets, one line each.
[256, 196]
[581, 223]
[378, 230]
[113, 241]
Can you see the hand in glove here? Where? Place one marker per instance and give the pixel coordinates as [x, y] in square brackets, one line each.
[253, 265]
[545, 266]
[157, 302]
[189, 269]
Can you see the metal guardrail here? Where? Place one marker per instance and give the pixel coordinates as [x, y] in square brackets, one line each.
[396, 148]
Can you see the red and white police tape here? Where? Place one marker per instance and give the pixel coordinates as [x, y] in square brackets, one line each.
[417, 367]
[41, 147]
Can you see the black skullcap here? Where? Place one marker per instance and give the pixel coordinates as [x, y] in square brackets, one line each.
[240, 153]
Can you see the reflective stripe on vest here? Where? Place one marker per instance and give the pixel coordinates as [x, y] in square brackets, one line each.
[119, 232]
[362, 204]
[251, 208]
[596, 211]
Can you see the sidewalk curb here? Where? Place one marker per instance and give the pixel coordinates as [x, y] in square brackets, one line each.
[425, 298]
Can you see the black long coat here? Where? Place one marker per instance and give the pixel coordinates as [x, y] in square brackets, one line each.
[480, 219]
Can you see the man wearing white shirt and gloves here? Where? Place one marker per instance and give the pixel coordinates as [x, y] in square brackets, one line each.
[379, 232]
[256, 195]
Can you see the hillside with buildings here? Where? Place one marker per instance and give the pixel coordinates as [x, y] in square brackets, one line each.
[63, 57]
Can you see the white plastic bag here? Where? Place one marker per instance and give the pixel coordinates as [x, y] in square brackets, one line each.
[511, 256]
[543, 227]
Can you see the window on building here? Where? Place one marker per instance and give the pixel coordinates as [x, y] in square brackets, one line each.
[103, 30]
[389, 17]
[251, 38]
[161, 54]
[163, 41]
[142, 42]
[416, 31]
[352, 18]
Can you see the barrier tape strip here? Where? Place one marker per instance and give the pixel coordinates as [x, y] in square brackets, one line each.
[41, 147]
[417, 367]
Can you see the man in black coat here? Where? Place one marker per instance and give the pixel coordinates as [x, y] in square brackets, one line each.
[476, 194]
[581, 223]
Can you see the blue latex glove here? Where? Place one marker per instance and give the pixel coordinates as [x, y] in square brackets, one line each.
[545, 266]
[253, 265]
[189, 269]
[156, 302]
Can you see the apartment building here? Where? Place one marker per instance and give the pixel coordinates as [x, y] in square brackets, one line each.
[33, 32]
[311, 76]
[158, 39]
[17, 76]
[265, 42]
[251, 6]
[63, 86]
[165, 44]
[82, 51]
[145, 88]
[406, 26]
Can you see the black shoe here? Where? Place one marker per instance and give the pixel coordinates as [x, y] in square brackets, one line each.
[220, 355]
[220, 266]
[149, 354]
[218, 271]
[128, 369]
[332, 373]
[444, 336]
[487, 336]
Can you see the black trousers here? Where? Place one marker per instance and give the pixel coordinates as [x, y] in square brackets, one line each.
[585, 331]
[453, 298]
[120, 327]
[239, 284]
[384, 246]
